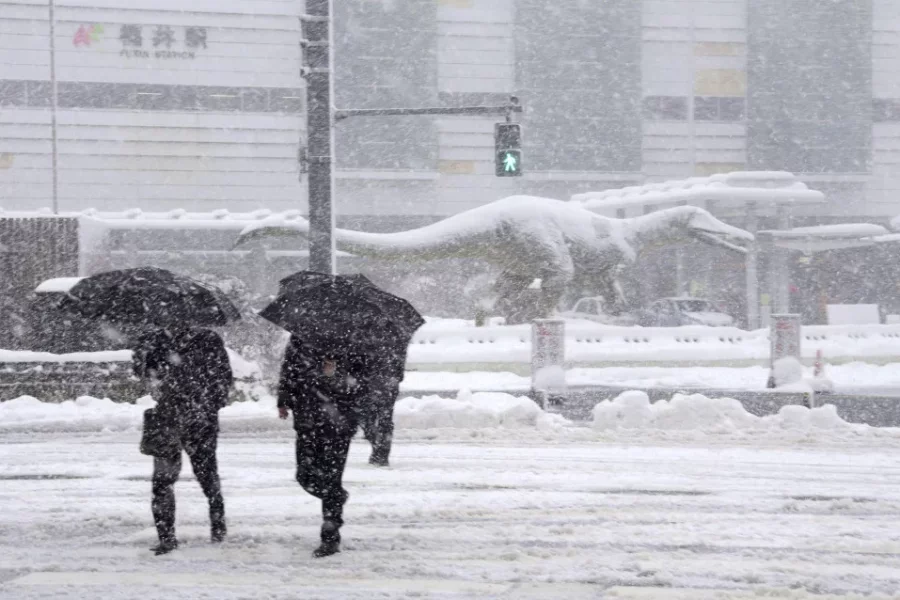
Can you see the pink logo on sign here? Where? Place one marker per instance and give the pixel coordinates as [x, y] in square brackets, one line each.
[87, 34]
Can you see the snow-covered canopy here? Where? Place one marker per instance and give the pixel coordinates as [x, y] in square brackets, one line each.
[766, 189]
[829, 237]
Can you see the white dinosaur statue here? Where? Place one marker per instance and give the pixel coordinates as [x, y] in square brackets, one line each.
[528, 237]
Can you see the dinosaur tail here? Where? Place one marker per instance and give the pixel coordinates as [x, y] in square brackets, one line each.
[444, 239]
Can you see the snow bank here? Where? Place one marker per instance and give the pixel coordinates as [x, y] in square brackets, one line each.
[82, 414]
[466, 411]
[786, 371]
[473, 411]
[695, 412]
[22, 356]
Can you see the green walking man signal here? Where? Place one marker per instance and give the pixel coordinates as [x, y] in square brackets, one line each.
[510, 162]
[508, 149]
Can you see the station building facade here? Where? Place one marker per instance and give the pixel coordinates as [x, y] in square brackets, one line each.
[161, 108]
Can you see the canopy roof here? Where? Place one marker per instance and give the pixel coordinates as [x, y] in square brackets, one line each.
[766, 189]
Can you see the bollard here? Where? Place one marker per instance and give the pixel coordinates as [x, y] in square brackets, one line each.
[548, 356]
[784, 341]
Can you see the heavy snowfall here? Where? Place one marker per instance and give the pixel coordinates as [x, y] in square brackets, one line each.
[513, 299]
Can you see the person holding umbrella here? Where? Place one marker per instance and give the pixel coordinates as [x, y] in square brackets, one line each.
[330, 373]
[189, 372]
[378, 414]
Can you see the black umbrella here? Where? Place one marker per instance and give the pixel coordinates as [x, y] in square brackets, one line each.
[148, 296]
[343, 313]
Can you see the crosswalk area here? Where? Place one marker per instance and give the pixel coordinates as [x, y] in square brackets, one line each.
[501, 518]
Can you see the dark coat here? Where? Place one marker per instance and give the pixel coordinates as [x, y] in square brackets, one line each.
[303, 384]
[191, 371]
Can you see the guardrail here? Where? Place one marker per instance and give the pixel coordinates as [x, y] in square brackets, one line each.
[60, 381]
[589, 343]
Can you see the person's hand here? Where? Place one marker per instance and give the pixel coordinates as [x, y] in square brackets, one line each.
[283, 412]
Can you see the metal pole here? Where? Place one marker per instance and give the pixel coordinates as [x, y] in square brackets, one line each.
[692, 126]
[782, 266]
[53, 102]
[751, 269]
[317, 35]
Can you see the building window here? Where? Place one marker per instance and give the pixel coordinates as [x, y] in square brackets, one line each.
[706, 109]
[723, 109]
[885, 109]
[732, 109]
[665, 108]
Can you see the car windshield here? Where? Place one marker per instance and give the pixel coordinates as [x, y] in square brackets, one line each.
[694, 306]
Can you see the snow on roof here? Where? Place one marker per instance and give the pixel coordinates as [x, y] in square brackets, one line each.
[173, 219]
[739, 187]
[59, 285]
[828, 237]
[842, 230]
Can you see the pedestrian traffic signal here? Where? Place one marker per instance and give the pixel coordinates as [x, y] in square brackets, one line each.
[509, 163]
[508, 149]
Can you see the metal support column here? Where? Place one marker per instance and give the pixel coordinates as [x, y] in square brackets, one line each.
[317, 41]
[751, 269]
[782, 274]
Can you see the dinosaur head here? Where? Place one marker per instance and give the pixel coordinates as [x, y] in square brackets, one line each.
[683, 223]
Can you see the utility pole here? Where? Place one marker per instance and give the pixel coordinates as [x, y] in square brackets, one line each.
[317, 41]
[54, 100]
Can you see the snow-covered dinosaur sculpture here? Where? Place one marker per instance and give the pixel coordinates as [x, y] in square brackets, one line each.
[528, 237]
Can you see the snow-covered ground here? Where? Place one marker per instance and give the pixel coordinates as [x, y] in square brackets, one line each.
[488, 498]
[851, 376]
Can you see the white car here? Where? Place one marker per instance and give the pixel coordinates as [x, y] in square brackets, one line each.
[591, 309]
[677, 312]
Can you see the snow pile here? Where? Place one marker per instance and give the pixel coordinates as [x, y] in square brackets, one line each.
[786, 371]
[27, 356]
[695, 412]
[82, 414]
[466, 411]
[550, 378]
[473, 411]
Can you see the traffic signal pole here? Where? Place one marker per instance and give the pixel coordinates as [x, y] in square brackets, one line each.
[317, 36]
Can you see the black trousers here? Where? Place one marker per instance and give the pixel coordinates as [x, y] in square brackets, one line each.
[201, 449]
[323, 440]
[378, 418]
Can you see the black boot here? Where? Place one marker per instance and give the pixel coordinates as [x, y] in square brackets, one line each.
[163, 507]
[378, 460]
[218, 529]
[331, 540]
[165, 546]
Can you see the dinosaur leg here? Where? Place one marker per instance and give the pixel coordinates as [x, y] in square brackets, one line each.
[553, 287]
[611, 290]
[510, 288]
